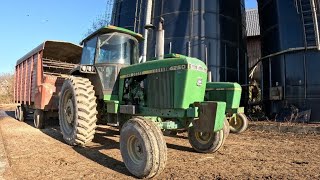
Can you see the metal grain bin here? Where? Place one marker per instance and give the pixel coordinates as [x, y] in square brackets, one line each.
[211, 30]
[290, 41]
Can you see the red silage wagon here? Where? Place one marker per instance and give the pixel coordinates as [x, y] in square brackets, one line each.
[39, 76]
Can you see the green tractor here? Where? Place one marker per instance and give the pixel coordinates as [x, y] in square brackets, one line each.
[141, 98]
[231, 94]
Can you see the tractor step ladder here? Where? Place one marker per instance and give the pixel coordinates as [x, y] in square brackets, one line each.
[308, 9]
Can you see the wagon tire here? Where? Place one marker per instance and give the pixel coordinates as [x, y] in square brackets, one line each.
[77, 111]
[39, 119]
[17, 113]
[20, 113]
[143, 148]
[239, 123]
[206, 142]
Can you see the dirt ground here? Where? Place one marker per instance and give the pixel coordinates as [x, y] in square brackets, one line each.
[35, 154]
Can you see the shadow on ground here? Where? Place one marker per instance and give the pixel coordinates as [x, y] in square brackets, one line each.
[180, 148]
[10, 113]
[102, 141]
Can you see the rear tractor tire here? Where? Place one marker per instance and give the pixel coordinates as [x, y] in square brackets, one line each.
[239, 123]
[204, 142]
[143, 148]
[77, 111]
[39, 118]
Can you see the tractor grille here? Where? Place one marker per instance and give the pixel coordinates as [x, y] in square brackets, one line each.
[160, 90]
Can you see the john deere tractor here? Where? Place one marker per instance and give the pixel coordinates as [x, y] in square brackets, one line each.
[141, 98]
[231, 94]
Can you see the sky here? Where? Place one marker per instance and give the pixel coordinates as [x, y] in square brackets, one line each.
[26, 24]
[251, 4]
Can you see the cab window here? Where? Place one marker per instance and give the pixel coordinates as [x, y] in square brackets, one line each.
[117, 48]
[89, 51]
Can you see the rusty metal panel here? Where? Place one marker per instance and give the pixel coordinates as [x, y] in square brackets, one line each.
[38, 81]
[23, 81]
[27, 81]
[25, 76]
[20, 84]
[15, 86]
[30, 79]
[34, 78]
[17, 81]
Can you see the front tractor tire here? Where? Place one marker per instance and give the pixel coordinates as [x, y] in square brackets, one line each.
[239, 123]
[77, 111]
[205, 142]
[143, 148]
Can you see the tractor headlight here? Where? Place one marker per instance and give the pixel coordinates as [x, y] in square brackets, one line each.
[84, 68]
[87, 69]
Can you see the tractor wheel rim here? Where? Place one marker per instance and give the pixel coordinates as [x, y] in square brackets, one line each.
[69, 111]
[203, 137]
[135, 150]
[236, 122]
[68, 108]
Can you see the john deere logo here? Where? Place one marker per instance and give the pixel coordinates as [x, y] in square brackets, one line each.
[199, 82]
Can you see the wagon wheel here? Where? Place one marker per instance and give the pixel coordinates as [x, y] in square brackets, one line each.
[143, 148]
[17, 113]
[20, 113]
[39, 118]
[239, 123]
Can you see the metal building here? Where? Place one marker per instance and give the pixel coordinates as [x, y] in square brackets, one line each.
[211, 30]
[253, 43]
[290, 41]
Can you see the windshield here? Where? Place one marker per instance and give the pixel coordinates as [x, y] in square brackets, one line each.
[117, 48]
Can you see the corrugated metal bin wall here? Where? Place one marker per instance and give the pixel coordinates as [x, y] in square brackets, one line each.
[285, 24]
[211, 30]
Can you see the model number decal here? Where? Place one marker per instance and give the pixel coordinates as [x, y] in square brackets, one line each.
[179, 67]
[165, 69]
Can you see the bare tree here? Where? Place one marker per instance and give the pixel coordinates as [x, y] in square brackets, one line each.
[101, 20]
[6, 88]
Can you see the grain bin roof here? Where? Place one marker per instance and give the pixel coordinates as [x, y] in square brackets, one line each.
[252, 19]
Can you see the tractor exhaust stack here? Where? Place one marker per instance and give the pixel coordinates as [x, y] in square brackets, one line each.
[160, 40]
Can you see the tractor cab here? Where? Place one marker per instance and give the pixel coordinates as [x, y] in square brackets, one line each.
[108, 50]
